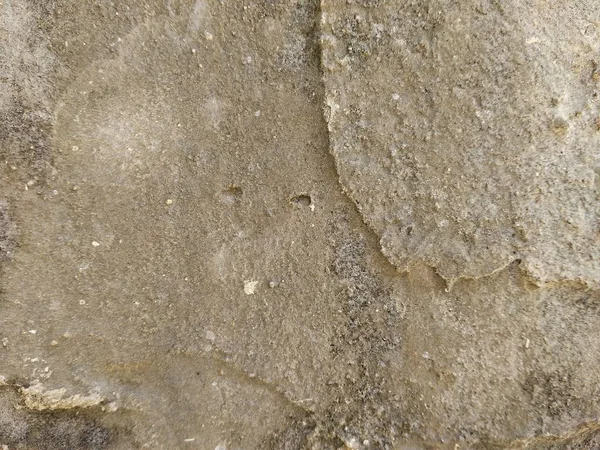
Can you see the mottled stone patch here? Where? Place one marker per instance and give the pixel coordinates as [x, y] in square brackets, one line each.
[466, 134]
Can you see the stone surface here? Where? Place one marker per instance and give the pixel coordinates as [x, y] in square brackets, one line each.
[467, 134]
[231, 225]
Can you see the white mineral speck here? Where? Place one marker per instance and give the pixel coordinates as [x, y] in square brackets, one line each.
[352, 443]
[112, 407]
[250, 286]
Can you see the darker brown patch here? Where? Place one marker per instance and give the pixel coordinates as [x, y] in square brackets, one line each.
[551, 391]
[8, 233]
[293, 437]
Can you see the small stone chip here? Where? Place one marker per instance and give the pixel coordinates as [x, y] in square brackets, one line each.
[250, 286]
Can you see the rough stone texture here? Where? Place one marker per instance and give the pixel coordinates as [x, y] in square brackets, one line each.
[467, 133]
[8, 233]
[204, 206]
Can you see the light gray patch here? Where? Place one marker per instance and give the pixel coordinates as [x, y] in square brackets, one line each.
[465, 134]
[198, 15]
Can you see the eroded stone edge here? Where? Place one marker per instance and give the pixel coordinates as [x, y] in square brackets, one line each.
[329, 108]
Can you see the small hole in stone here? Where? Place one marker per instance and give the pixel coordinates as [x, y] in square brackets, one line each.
[233, 194]
[302, 200]
[560, 125]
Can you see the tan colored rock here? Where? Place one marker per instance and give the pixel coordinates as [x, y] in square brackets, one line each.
[466, 133]
[38, 398]
[181, 162]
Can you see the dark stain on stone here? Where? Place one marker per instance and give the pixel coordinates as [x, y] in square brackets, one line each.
[293, 437]
[8, 233]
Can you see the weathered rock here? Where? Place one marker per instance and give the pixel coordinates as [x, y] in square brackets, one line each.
[467, 134]
[180, 266]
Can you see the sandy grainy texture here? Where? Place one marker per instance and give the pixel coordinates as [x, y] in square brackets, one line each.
[467, 134]
[293, 224]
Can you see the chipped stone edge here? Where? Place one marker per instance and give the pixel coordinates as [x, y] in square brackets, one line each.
[37, 397]
[546, 440]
